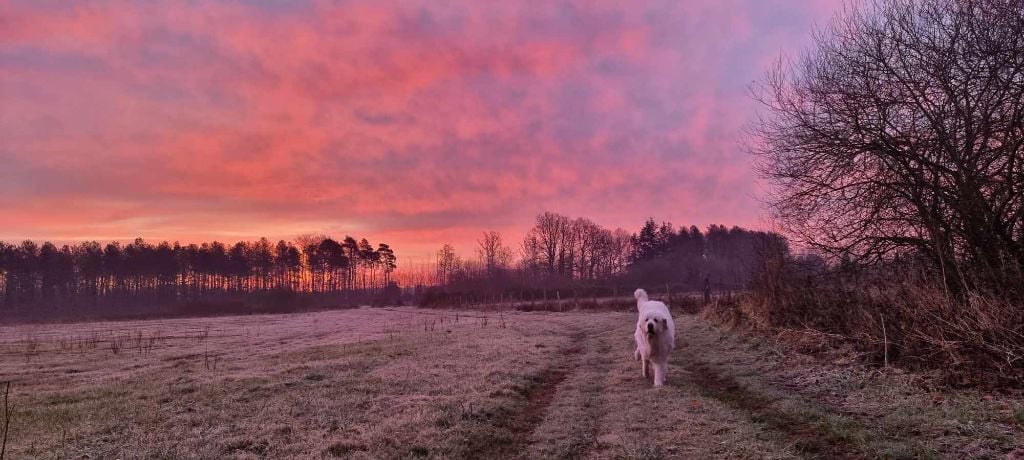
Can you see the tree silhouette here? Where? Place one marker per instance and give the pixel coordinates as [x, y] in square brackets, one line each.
[900, 135]
[388, 261]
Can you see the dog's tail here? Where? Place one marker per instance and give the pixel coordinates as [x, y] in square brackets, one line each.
[641, 296]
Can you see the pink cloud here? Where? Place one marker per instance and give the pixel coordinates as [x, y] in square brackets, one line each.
[411, 123]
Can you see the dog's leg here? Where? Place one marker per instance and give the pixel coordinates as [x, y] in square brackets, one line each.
[636, 354]
[646, 366]
[660, 372]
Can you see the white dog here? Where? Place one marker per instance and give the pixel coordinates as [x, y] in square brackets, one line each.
[655, 336]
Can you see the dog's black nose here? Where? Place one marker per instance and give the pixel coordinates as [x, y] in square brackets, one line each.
[650, 327]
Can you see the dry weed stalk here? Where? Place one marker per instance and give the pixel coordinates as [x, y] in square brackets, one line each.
[31, 347]
[885, 339]
[8, 412]
[203, 334]
[117, 343]
[210, 361]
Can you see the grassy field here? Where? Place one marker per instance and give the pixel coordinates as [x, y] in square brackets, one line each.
[406, 383]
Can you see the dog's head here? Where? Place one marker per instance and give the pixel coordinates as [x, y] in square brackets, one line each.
[653, 323]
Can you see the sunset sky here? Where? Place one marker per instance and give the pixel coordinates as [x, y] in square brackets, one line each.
[412, 123]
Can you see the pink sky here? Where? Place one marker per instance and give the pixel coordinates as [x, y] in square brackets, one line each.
[412, 123]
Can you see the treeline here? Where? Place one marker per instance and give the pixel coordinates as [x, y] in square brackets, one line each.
[562, 256]
[36, 279]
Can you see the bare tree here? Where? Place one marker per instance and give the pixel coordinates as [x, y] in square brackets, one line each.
[447, 263]
[588, 237]
[549, 236]
[901, 133]
[493, 254]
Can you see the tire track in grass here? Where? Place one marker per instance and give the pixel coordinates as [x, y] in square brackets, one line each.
[538, 396]
[807, 436]
[572, 422]
[815, 431]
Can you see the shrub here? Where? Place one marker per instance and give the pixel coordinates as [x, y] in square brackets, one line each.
[893, 314]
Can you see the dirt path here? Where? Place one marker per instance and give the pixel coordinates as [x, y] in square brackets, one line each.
[596, 405]
[571, 420]
[539, 396]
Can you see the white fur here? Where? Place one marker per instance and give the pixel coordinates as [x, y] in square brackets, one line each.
[655, 336]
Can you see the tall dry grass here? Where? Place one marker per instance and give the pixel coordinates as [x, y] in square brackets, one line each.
[892, 317]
